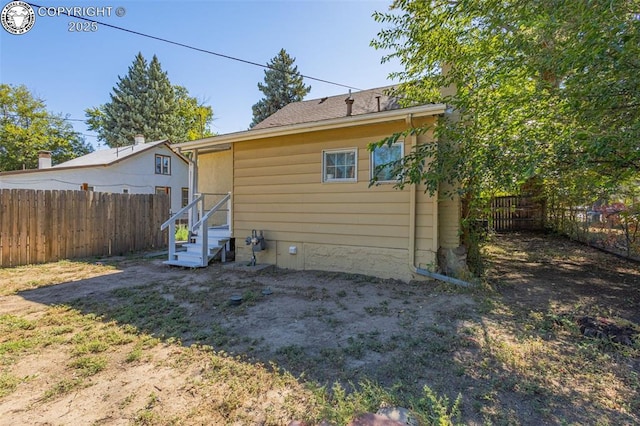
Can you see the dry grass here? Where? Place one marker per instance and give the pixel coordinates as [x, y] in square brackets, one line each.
[510, 354]
[34, 276]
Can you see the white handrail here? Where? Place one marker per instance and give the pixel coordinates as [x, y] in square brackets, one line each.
[215, 208]
[200, 227]
[181, 211]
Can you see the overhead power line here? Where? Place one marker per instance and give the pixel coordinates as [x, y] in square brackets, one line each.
[198, 49]
[45, 117]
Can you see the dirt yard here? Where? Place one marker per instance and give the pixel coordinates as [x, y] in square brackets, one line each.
[131, 341]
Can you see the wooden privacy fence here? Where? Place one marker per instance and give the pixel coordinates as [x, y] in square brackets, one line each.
[517, 213]
[45, 226]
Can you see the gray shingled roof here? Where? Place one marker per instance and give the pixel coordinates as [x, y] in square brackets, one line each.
[365, 102]
[105, 157]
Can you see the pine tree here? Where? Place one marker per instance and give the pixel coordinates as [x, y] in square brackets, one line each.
[163, 98]
[144, 102]
[283, 84]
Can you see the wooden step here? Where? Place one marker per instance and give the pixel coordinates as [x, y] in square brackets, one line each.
[183, 263]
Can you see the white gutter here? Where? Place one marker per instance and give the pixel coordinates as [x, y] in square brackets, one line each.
[334, 123]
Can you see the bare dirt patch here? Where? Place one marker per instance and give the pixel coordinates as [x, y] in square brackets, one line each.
[511, 349]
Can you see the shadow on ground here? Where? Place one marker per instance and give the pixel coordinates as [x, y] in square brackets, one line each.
[511, 350]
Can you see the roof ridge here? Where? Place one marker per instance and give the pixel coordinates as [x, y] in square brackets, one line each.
[328, 107]
[359, 92]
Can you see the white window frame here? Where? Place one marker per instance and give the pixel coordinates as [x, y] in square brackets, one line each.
[327, 178]
[184, 196]
[165, 164]
[372, 163]
[163, 190]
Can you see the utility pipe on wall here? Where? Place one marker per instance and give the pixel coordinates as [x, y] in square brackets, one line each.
[412, 229]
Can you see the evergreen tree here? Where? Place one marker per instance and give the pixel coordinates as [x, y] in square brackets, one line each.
[163, 99]
[144, 102]
[26, 127]
[283, 84]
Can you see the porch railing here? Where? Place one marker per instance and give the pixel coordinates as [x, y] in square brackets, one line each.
[196, 209]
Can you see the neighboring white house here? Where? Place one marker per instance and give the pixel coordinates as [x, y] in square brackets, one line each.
[141, 168]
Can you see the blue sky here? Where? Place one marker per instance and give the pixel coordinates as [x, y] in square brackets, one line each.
[73, 71]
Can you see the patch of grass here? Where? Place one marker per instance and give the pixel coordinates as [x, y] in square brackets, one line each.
[250, 297]
[437, 410]
[358, 346]
[89, 365]
[29, 277]
[16, 346]
[293, 354]
[332, 322]
[186, 294]
[382, 309]
[19, 336]
[355, 348]
[332, 356]
[10, 323]
[134, 355]
[152, 400]
[146, 417]
[145, 308]
[8, 384]
[428, 408]
[63, 387]
[85, 346]
[127, 401]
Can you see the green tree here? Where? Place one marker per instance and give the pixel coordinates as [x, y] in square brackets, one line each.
[194, 118]
[283, 84]
[144, 102]
[26, 127]
[538, 89]
[546, 89]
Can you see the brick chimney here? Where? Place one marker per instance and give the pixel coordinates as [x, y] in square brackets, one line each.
[44, 159]
[138, 139]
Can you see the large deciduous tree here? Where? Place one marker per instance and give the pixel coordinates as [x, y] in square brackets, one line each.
[26, 127]
[544, 91]
[548, 89]
[194, 117]
[283, 84]
[144, 102]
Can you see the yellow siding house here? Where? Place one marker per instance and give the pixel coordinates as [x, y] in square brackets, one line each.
[302, 178]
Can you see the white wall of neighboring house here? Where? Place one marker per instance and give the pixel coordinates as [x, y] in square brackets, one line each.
[135, 175]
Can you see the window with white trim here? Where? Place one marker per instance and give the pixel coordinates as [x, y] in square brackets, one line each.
[163, 164]
[163, 190]
[383, 159]
[340, 165]
[185, 197]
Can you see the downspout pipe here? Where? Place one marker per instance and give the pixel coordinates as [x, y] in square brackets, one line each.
[412, 232]
[441, 277]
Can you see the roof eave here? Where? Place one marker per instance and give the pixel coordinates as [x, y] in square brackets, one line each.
[334, 123]
[61, 166]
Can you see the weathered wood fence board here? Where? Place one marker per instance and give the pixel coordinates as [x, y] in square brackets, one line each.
[45, 226]
[517, 213]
